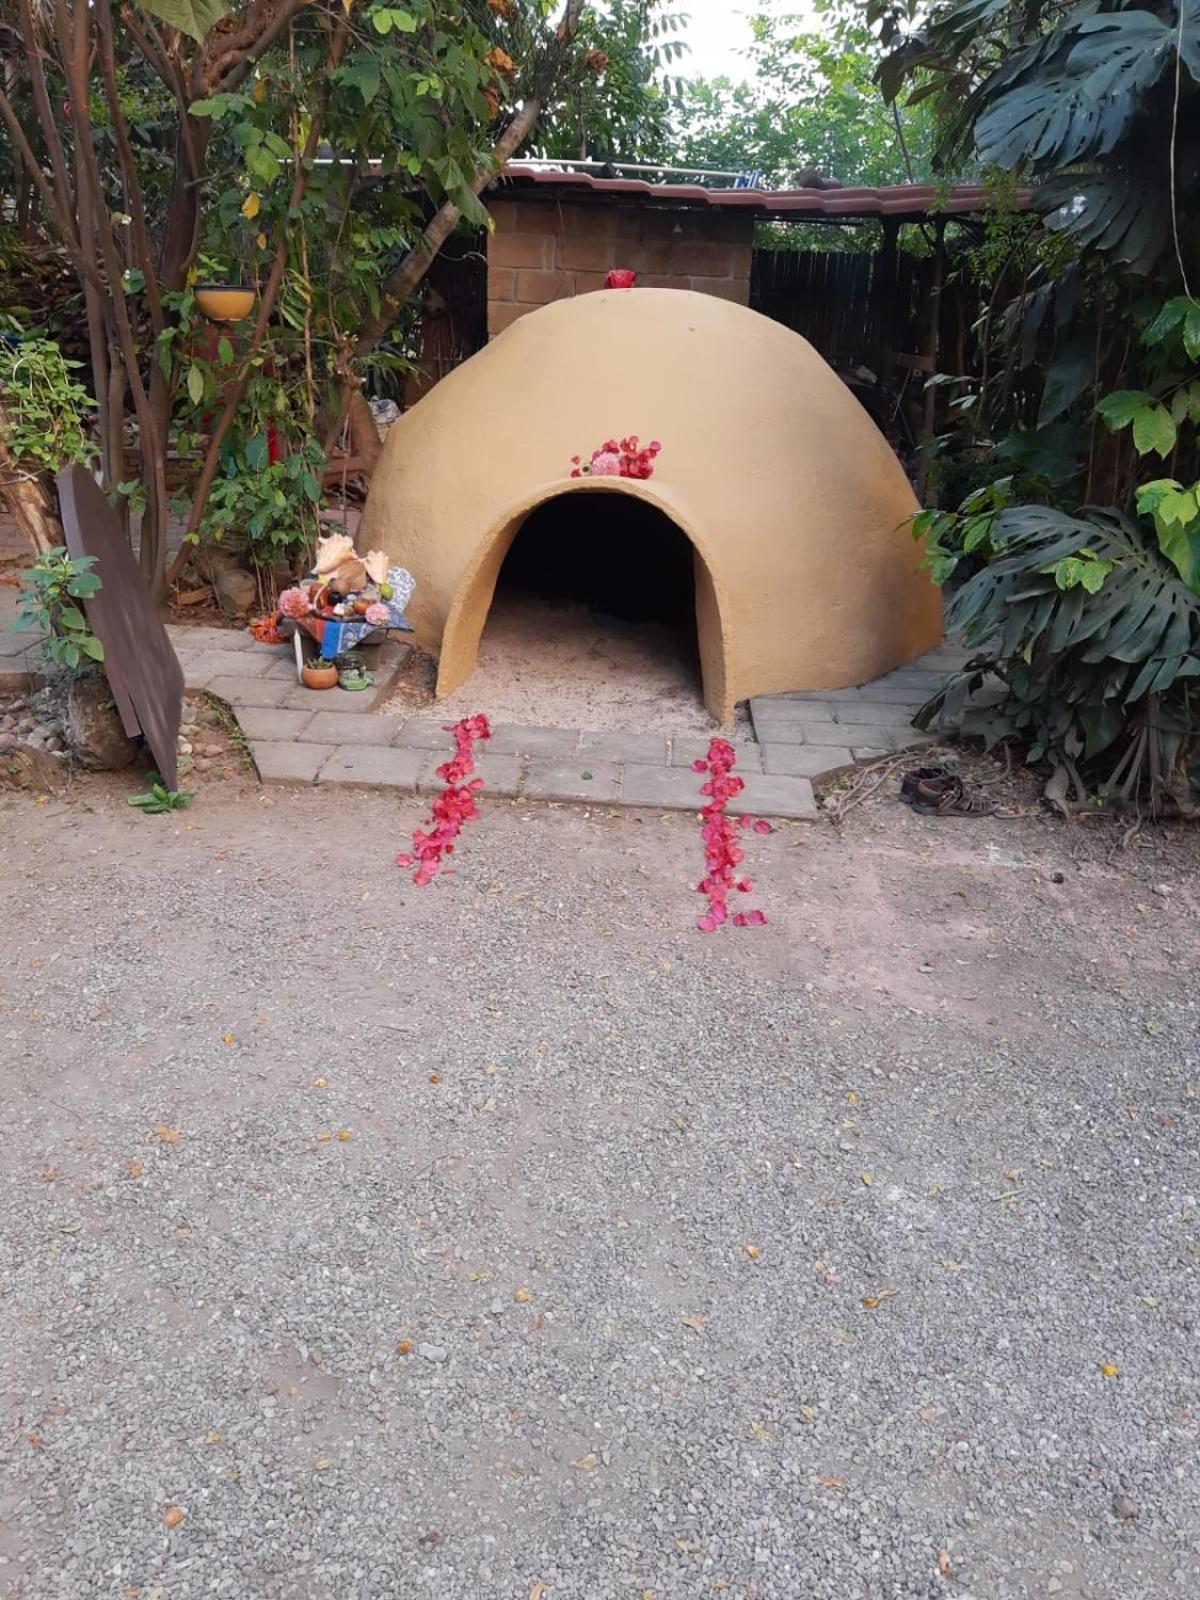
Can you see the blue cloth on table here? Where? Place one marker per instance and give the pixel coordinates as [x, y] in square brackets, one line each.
[338, 637]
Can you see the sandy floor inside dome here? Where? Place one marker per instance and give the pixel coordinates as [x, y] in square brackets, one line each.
[550, 664]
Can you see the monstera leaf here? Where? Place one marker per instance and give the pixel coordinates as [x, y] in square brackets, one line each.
[1081, 100]
[196, 18]
[1142, 627]
[1121, 213]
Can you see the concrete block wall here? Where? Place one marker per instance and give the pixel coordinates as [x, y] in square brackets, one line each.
[545, 250]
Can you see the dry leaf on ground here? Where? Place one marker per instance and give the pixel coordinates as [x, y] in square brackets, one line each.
[166, 1134]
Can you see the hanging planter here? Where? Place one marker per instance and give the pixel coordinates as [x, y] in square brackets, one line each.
[224, 302]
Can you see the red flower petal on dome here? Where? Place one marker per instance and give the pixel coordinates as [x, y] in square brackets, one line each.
[763, 826]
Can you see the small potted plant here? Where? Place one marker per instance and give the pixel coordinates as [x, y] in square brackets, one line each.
[319, 674]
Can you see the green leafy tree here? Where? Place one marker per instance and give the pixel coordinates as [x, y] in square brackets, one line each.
[810, 107]
[1090, 618]
[177, 129]
[615, 101]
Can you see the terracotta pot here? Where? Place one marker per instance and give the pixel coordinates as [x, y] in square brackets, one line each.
[225, 302]
[320, 677]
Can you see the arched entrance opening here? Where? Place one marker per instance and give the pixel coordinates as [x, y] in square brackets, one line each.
[599, 586]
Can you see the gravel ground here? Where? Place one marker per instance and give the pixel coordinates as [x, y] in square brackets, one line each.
[508, 1239]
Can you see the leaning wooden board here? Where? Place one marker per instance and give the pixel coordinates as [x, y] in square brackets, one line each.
[143, 670]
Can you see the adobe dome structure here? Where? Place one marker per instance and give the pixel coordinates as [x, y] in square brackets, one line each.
[806, 574]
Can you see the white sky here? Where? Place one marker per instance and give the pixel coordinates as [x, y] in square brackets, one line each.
[718, 31]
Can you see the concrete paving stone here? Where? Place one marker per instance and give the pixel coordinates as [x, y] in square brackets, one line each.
[501, 775]
[353, 702]
[630, 749]
[271, 723]
[861, 755]
[511, 739]
[768, 796]
[240, 692]
[196, 639]
[421, 734]
[914, 676]
[342, 727]
[288, 763]
[685, 751]
[813, 761]
[885, 716]
[881, 694]
[19, 641]
[872, 735]
[17, 674]
[228, 664]
[369, 766]
[581, 779]
[786, 730]
[283, 667]
[665, 788]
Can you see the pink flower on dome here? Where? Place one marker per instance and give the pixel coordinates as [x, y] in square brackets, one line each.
[377, 614]
[294, 603]
[606, 464]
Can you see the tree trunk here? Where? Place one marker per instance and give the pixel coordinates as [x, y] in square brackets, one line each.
[29, 500]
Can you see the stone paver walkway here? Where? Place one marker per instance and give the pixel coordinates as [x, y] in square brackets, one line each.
[301, 736]
[333, 737]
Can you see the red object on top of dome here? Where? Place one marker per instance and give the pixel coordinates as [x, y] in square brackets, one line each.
[620, 278]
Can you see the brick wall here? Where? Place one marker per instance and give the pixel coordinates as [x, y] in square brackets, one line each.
[550, 250]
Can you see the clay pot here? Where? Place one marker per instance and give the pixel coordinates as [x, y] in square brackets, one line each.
[322, 676]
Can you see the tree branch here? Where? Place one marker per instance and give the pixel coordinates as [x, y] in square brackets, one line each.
[399, 284]
[41, 98]
[34, 167]
[236, 393]
[130, 178]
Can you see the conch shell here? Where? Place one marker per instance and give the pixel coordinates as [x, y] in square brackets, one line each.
[376, 563]
[332, 552]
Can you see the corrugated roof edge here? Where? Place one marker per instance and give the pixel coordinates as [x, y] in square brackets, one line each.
[901, 200]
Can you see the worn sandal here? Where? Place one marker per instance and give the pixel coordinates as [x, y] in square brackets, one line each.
[935, 792]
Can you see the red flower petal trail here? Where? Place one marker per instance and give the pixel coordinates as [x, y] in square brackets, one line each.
[722, 853]
[453, 807]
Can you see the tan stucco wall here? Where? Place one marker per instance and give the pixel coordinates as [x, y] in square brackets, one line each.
[807, 576]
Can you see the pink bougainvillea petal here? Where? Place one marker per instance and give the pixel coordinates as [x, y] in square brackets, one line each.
[453, 807]
[722, 854]
[763, 826]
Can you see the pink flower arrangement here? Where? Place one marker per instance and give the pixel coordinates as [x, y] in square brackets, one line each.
[377, 614]
[722, 853]
[618, 458]
[453, 807]
[294, 603]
